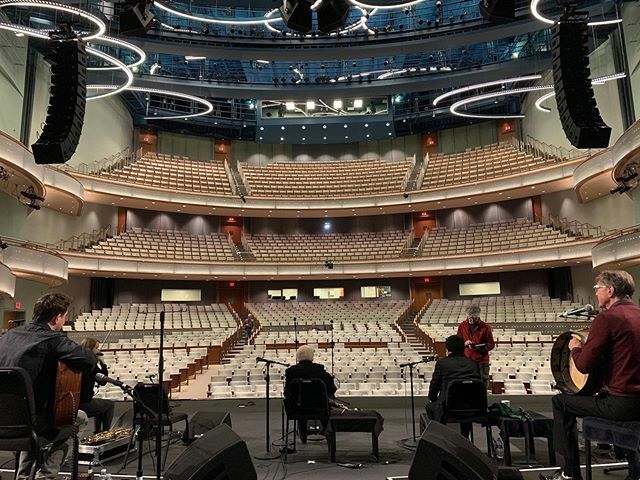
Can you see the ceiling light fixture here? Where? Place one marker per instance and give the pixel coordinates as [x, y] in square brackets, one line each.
[483, 85]
[249, 21]
[99, 24]
[534, 11]
[122, 44]
[118, 64]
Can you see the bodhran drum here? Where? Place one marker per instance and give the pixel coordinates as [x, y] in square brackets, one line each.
[568, 378]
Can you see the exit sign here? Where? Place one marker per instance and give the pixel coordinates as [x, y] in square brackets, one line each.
[18, 305]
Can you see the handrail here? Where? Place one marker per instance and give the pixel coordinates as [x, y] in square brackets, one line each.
[547, 151]
[247, 187]
[15, 242]
[408, 173]
[618, 232]
[105, 165]
[407, 243]
[84, 240]
[231, 178]
[573, 227]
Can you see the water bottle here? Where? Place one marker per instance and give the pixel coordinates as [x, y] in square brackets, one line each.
[499, 448]
[103, 474]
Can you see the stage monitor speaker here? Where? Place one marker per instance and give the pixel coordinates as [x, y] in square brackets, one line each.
[296, 14]
[136, 18]
[201, 422]
[332, 14]
[219, 454]
[443, 454]
[576, 102]
[498, 11]
[67, 97]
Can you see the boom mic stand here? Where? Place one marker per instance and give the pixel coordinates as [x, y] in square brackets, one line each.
[411, 443]
[268, 454]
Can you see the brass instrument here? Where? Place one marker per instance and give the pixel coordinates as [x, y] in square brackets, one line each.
[107, 436]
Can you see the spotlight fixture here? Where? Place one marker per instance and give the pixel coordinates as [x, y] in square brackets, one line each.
[4, 174]
[328, 264]
[136, 17]
[3, 245]
[31, 195]
[244, 200]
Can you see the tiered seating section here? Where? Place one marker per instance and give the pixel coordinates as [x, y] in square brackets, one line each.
[478, 164]
[327, 179]
[131, 351]
[491, 237]
[368, 347]
[524, 328]
[166, 244]
[175, 173]
[335, 246]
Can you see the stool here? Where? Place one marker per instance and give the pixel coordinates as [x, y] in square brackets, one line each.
[538, 426]
[621, 434]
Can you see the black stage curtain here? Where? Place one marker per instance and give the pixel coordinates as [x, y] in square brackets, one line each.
[560, 284]
[102, 292]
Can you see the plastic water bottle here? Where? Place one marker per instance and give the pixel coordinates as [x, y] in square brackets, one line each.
[499, 448]
[103, 474]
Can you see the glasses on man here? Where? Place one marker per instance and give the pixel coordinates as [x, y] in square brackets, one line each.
[596, 287]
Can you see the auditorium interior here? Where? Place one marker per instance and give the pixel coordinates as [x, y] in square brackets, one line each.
[175, 166]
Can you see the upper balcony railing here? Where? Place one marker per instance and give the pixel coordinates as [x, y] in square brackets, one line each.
[84, 240]
[105, 165]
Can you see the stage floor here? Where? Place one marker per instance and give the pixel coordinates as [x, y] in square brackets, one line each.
[310, 460]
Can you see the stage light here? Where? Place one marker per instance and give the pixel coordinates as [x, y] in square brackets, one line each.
[290, 106]
[337, 104]
[311, 105]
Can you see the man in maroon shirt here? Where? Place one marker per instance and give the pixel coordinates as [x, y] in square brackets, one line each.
[613, 345]
[478, 340]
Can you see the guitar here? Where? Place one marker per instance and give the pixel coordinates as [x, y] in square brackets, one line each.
[65, 406]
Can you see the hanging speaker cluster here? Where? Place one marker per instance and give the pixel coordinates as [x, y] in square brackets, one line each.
[332, 14]
[577, 106]
[67, 98]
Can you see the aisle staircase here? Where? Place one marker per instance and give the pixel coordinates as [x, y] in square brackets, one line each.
[409, 329]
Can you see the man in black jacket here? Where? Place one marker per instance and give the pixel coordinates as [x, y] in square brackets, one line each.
[455, 366]
[305, 368]
[38, 347]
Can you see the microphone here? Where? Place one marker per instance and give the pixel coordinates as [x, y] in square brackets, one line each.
[103, 378]
[587, 309]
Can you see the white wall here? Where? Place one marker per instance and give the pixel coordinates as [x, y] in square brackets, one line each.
[12, 68]
[458, 139]
[547, 128]
[47, 226]
[393, 150]
[631, 26]
[610, 211]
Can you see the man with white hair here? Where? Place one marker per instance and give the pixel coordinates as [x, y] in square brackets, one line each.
[478, 340]
[306, 368]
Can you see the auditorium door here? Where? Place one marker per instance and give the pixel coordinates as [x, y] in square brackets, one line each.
[424, 291]
[234, 293]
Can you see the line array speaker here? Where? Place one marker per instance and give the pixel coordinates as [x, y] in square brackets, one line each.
[218, 455]
[297, 14]
[67, 98]
[577, 106]
[332, 14]
[498, 11]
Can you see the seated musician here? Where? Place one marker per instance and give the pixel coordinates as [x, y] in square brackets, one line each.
[306, 368]
[101, 409]
[612, 345]
[38, 347]
[455, 366]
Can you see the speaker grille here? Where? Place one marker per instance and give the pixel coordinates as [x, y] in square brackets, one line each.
[67, 99]
[576, 102]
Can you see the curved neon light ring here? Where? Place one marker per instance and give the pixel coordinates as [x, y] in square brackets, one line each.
[101, 27]
[360, 23]
[120, 66]
[485, 84]
[385, 7]
[121, 43]
[596, 81]
[188, 16]
[542, 99]
[461, 103]
[202, 101]
[542, 18]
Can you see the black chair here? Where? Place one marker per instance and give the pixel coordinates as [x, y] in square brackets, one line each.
[625, 435]
[466, 402]
[148, 395]
[307, 400]
[18, 415]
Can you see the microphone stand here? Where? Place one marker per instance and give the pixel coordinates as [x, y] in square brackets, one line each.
[412, 442]
[268, 454]
[160, 401]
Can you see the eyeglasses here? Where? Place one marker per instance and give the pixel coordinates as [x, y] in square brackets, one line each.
[596, 287]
